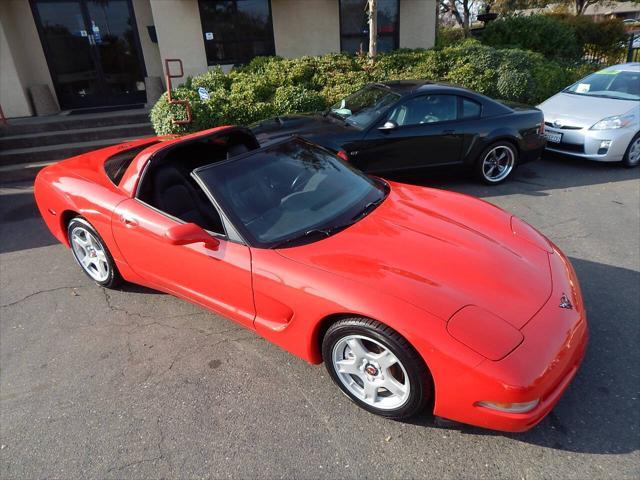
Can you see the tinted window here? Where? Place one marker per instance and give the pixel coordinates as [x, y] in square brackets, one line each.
[235, 31]
[354, 25]
[426, 109]
[470, 108]
[364, 106]
[287, 189]
[117, 164]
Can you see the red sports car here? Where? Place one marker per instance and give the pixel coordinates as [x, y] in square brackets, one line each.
[413, 297]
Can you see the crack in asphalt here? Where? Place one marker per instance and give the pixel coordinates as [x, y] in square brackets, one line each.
[34, 294]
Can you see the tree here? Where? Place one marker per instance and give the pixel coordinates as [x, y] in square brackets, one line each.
[460, 10]
[372, 8]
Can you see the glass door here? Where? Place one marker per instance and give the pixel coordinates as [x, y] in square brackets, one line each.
[93, 51]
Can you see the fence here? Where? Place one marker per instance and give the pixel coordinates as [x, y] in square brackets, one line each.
[627, 52]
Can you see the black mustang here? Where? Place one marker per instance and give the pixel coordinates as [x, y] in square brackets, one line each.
[413, 124]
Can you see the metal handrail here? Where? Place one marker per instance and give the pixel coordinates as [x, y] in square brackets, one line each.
[168, 77]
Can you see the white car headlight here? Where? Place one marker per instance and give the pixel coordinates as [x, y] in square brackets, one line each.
[611, 123]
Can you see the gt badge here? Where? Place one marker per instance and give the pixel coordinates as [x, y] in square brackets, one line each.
[565, 302]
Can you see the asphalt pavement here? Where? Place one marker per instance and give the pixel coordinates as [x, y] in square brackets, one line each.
[137, 384]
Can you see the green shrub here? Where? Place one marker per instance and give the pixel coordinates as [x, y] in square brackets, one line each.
[446, 36]
[544, 34]
[270, 86]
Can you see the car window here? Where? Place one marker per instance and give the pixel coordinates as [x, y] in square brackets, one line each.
[363, 107]
[425, 109]
[608, 83]
[288, 189]
[470, 108]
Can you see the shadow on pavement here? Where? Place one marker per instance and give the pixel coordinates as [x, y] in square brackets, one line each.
[599, 411]
[534, 178]
[21, 226]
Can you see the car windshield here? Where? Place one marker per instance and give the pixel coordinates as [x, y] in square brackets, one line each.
[365, 106]
[618, 84]
[290, 193]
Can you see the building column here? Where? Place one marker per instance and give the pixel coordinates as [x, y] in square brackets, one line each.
[418, 23]
[179, 32]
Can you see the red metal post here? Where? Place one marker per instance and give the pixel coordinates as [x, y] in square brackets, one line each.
[169, 76]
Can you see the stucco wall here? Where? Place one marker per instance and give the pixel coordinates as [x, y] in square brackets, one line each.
[309, 27]
[180, 34]
[417, 23]
[21, 48]
[13, 98]
[150, 50]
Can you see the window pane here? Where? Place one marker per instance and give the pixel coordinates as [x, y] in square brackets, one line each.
[426, 109]
[354, 26]
[470, 109]
[235, 31]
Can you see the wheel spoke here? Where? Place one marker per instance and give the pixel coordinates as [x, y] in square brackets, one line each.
[370, 391]
[357, 348]
[348, 366]
[86, 261]
[386, 359]
[79, 241]
[395, 387]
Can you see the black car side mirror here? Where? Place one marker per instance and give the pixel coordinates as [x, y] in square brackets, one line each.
[388, 125]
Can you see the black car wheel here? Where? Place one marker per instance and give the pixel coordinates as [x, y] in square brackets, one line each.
[496, 163]
[92, 254]
[376, 368]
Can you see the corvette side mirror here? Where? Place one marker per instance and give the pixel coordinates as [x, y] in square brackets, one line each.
[188, 233]
[388, 125]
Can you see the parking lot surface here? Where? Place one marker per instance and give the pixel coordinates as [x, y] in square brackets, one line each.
[137, 384]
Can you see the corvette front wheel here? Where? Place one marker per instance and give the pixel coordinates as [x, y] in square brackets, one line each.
[376, 368]
[91, 253]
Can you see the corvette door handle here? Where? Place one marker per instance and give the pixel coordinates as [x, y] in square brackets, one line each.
[449, 132]
[128, 221]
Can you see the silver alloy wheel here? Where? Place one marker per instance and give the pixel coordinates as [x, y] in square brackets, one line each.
[90, 253]
[371, 372]
[498, 163]
[634, 152]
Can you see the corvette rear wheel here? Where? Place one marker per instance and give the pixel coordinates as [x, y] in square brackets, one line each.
[376, 368]
[496, 163]
[91, 253]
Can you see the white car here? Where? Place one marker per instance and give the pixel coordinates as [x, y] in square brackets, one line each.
[598, 117]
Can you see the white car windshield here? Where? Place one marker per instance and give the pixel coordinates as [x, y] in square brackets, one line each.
[619, 84]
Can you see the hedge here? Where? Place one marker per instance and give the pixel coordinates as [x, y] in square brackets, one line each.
[558, 36]
[270, 86]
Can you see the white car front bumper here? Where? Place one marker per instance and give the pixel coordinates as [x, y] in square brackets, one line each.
[591, 144]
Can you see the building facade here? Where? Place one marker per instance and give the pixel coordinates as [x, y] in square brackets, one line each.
[101, 53]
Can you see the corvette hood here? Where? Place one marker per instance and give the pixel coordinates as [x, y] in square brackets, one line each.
[438, 251]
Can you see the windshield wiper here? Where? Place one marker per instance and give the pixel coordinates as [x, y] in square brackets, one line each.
[368, 208]
[324, 232]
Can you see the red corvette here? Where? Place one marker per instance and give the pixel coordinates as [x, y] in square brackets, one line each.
[413, 297]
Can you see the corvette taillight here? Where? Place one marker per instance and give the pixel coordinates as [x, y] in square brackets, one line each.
[541, 128]
[343, 155]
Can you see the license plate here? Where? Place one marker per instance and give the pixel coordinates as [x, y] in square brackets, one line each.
[553, 137]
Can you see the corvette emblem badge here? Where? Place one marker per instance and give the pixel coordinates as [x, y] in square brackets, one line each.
[565, 302]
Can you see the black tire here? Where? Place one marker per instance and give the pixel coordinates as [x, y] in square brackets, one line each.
[113, 278]
[479, 167]
[417, 373]
[626, 160]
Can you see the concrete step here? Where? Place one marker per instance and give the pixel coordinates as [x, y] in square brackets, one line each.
[25, 172]
[58, 123]
[42, 139]
[55, 152]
